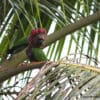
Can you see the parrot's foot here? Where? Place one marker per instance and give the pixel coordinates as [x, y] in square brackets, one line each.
[23, 64]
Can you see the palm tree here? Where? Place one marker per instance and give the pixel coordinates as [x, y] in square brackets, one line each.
[72, 45]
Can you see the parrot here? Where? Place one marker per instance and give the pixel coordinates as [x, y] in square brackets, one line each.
[34, 45]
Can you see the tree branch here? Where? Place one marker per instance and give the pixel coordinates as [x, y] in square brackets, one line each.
[21, 56]
[68, 29]
[7, 72]
[34, 82]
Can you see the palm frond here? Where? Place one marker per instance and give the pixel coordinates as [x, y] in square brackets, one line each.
[68, 80]
[63, 81]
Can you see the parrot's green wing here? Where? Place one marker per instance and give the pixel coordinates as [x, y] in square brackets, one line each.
[22, 41]
[18, 46]
[38, 55]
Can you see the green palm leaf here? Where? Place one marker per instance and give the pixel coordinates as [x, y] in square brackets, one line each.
[70, 37]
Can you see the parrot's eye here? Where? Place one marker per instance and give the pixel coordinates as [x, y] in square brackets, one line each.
[40, 41]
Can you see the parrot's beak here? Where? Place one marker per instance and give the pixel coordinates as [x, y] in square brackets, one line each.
[40, 42]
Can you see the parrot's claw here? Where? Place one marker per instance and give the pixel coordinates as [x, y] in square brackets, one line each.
[23, 64]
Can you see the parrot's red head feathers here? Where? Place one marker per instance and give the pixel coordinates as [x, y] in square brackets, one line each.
[36, 32]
